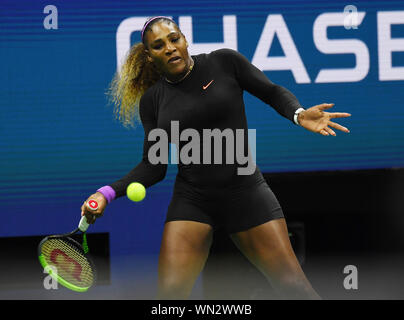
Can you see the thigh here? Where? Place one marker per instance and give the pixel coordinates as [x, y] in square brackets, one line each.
[184, 208]
[251, 207]
[268, 247]
[184, 249]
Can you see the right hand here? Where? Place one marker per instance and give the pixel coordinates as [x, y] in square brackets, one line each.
[92, 215]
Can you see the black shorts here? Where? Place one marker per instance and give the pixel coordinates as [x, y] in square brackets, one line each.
[232, 209]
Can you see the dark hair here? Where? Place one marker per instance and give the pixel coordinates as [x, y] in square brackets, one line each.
[148, 24]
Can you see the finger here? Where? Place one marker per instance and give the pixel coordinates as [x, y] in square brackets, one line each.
[338, 126]
[325, 106]
[339, 115]
[324, 132]
[330, 131]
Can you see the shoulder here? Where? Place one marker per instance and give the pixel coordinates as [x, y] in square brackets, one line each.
[231, 59]
[150, 93]
[226, 54]
[147, 103]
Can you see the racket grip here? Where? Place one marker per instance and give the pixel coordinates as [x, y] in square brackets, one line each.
[83, 224]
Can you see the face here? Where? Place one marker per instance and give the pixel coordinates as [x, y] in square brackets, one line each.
[168, 49]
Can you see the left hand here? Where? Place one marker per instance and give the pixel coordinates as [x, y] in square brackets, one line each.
[316, 120]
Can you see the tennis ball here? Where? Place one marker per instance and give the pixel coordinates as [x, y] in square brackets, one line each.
[136, 191]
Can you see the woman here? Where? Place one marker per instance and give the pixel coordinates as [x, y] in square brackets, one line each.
[206, 92]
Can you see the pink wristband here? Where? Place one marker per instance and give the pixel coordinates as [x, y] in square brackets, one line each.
[108, 193]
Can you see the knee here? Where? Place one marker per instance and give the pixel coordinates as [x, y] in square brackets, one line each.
[173, 288]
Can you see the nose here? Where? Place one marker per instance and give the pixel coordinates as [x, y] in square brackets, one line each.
[170, 48]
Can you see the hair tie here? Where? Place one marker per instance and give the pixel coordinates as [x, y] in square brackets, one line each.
[150, 20]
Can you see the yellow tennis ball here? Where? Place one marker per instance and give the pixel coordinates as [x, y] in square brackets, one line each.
[136, 191]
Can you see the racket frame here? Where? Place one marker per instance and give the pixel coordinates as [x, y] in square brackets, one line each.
[58, 278]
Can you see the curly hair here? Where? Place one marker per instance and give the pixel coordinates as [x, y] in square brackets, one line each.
[127, 86]
[135, 77]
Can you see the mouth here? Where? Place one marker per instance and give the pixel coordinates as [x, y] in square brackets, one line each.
[174, 59]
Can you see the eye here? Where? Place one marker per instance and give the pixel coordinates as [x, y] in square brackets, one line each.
[175, 39]
[157, 47]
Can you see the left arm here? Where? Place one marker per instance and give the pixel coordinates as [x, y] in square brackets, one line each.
[281, 99]
[254, 81]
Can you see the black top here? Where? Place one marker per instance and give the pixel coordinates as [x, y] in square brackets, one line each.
[210, 97]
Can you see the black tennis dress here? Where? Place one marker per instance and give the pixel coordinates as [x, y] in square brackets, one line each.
[208, 189]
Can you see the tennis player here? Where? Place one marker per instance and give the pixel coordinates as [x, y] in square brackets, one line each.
[161, 82]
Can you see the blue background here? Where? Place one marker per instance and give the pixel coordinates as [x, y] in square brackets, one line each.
[60, 142]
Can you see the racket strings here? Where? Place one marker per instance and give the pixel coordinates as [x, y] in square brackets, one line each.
[69, 262]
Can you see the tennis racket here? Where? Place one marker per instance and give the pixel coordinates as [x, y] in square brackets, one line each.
[66, 260]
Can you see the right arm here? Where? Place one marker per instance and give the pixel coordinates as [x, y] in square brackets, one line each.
[145, 172]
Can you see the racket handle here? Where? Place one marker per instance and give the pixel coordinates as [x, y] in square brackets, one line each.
[83, 225]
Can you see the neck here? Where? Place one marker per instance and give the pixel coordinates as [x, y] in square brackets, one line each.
[183, 75]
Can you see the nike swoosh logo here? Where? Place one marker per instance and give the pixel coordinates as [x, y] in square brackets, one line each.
[205, 87]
